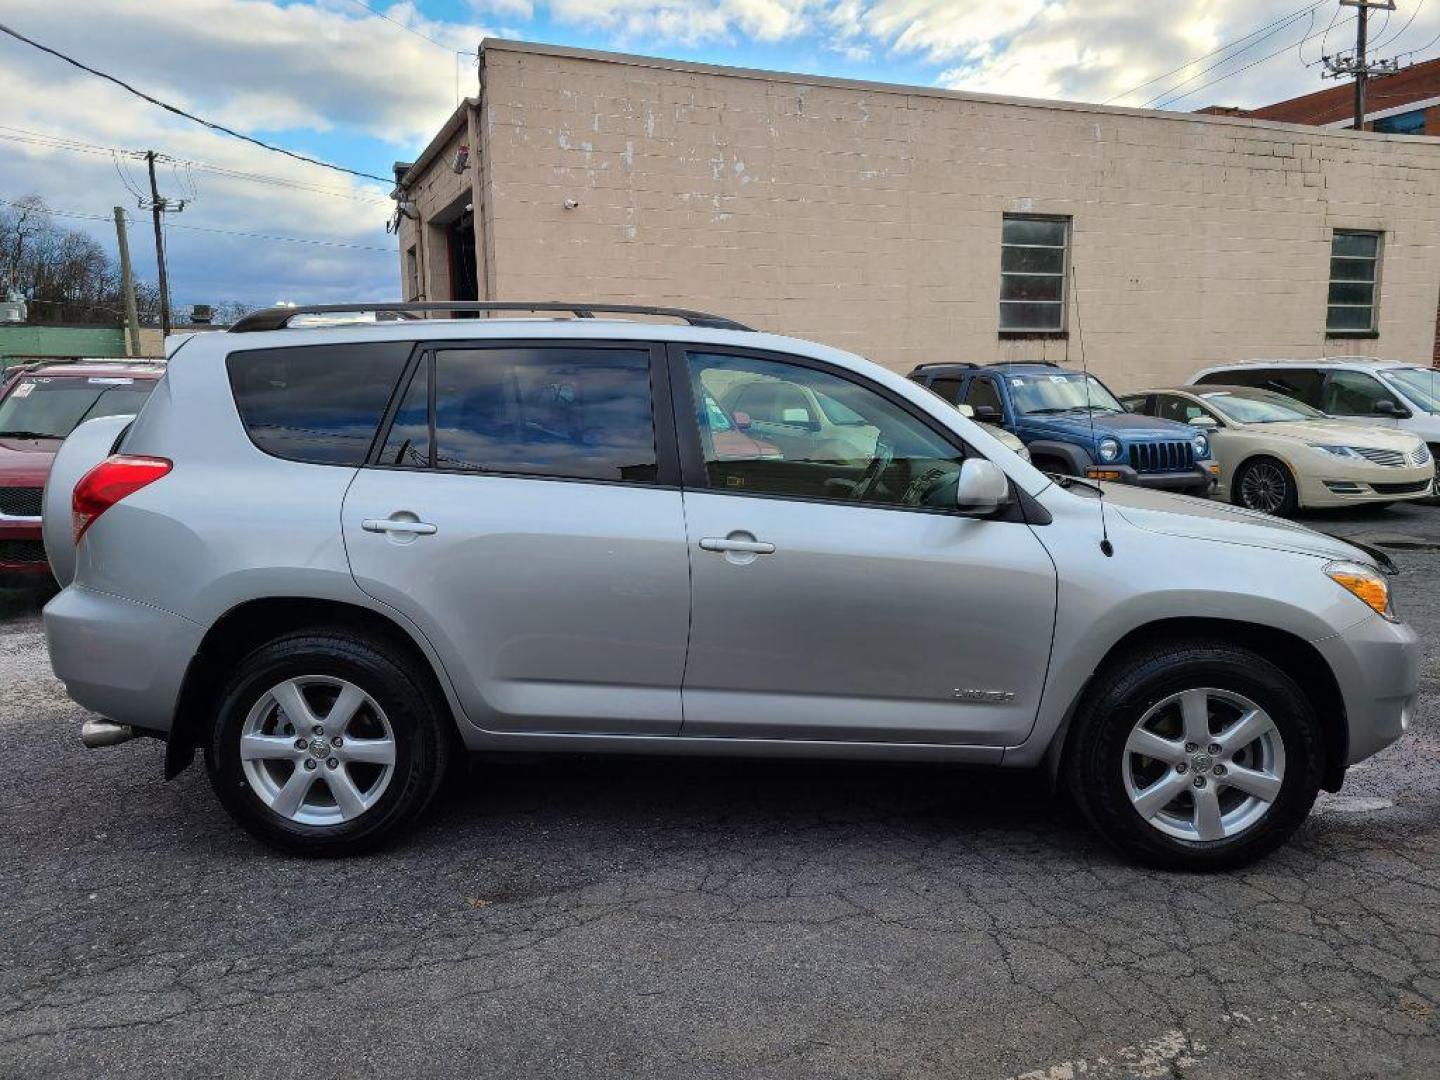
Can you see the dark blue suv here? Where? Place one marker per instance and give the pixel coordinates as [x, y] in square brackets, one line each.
[1072, 424]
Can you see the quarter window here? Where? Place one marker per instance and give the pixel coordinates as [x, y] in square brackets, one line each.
[1354, 281]
[408, 443]
[1033, 263]
[947, 386]
[316, 403]
[580, 413]
[834, 439]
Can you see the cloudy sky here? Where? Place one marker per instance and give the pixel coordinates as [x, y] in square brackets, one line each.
[362, 84]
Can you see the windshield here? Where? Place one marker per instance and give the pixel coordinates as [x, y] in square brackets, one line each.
[50, 407]
[1260, 407]
[1420, 385]
[1055, 393]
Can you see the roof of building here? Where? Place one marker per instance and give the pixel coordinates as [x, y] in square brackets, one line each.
[1336, 104]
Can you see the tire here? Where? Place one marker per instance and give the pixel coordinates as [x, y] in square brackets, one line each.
[384, 788]
[1110, 781]
[1267, 485]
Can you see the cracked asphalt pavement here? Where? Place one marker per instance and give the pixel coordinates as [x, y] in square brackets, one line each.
[604, 917]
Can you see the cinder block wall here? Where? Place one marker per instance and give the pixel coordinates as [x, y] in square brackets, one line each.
[869, 217]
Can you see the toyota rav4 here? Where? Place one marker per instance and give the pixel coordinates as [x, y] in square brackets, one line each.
[333, 559]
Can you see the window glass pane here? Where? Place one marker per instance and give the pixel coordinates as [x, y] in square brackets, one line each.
[1350, 318]
[1030, 316]
[1032, 260]
[1352, 292]
[1420, 385]
[947, 387]
[1019, 230]
[1352, 269]
[792, 446]
[409, 440]
[568, 412]
[1410, 123]
[983, 393]
[1021, 287]
[1353, 244]
[55, 405]
[1353, 393]
[316, 403]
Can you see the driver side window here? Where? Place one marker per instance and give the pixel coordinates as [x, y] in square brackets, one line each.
[800, 432]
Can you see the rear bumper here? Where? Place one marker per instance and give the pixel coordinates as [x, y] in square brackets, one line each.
[22, 551]
[1377, 666]
[1196, 481]
[121, 659]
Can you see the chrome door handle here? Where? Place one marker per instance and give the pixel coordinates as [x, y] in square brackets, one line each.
[749, 547]
[391, 525]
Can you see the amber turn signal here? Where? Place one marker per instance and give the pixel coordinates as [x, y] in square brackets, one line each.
[1364, 583]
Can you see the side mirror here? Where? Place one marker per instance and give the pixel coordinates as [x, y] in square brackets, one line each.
[988, 414]
[966, 411]
[1385, 407]
[1204, 423]
[743, 421]
[982, 487]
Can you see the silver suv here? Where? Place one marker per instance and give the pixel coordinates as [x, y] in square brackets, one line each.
[334, 558]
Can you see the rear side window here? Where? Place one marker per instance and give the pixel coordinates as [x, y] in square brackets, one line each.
[1302, 384]
[947, 386]
[568, 412]
[316, 403]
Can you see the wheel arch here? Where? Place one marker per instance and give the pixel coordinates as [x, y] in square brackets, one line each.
[1073, 457]
[250, 624]
[1293, 655]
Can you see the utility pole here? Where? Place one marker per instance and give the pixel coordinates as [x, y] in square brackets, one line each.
[157, 207]
[127, 282]
[1359, 65]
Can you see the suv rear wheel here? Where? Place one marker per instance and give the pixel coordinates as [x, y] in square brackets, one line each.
[326, 743]
[1200, 756]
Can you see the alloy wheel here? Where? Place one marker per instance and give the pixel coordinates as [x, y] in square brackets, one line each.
[1264, 487]
[317, 750]
[1204, 764]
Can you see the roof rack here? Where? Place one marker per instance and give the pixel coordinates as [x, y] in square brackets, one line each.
[1022, 363]
[945, 364]
[278, 318]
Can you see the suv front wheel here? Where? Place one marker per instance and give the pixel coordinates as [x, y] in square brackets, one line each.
[1197, 755]
[325, 743]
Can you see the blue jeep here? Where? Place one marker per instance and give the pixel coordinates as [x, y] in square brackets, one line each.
[1072, 424]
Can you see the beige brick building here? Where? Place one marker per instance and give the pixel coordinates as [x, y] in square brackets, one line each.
[899, 222]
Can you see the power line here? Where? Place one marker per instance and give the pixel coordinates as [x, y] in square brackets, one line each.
[83, 216]
[181, 112]
[1230, 74]
[1401, 32]
[1219, 49]
[57, 142]
[403, 26]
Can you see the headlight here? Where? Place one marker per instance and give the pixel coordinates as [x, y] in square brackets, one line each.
[1109, 449]
[1338, 451]
[1202, 446]
[1365, 583]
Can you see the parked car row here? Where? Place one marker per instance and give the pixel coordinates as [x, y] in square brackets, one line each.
[603, 535]
[1270, 436]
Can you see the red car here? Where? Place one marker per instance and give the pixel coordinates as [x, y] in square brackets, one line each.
[40, 404]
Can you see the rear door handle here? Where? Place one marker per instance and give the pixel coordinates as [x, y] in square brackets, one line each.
[749, 547]
[393, 525]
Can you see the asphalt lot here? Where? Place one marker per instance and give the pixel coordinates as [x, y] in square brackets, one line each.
[634, 918]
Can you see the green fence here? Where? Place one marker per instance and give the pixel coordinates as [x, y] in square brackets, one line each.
[21, 343]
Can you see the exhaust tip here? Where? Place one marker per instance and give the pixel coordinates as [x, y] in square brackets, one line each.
[96, 733]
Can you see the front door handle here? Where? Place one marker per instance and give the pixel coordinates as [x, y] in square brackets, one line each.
[398, 525]
[747, 547]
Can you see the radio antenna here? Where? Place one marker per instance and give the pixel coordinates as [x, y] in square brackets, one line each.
[1107, 548]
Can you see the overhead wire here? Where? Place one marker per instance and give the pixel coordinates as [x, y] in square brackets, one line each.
[176, 110]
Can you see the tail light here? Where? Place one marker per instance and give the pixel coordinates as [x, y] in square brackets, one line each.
[109, 482]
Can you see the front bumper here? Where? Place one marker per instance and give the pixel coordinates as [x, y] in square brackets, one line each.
[22, 551]
[119, 658]
[1344, 486]
[1377, 666]
[1197, 481]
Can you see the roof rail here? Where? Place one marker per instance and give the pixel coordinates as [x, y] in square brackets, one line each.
[1022, 363]
[278, 318]
[944, 364]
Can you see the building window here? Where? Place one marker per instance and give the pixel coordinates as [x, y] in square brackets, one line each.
[1410, 123]
[412, 273]
[1033, 264]
[1354, 283]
